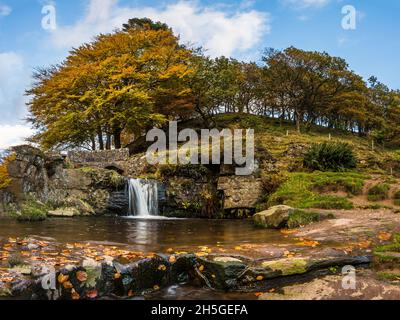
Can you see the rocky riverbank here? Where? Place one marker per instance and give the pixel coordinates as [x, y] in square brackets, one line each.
[41, 268]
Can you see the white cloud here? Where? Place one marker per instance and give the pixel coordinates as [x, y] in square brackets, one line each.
[5, 10]
[219, 31]
[14, 78]
[11, 135]
[305, 4]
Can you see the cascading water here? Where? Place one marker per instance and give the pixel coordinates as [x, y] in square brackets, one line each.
[143, 197]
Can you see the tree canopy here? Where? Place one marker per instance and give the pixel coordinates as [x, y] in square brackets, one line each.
[125, 82]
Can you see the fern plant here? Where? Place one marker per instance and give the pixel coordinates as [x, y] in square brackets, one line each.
[330, 156]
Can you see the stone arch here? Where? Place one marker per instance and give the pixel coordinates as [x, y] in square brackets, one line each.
[115, 168]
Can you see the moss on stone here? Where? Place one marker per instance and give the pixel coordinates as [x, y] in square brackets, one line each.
[287, 266]
[30, 210]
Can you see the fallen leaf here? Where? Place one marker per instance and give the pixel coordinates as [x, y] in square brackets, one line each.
[117, 276]
[156, 287]
[172, 259]
[92, 294]
[75, 295]
[201, 268]
[162, 267]
[384, 236]
[288, 231]
[81, 276]
[260, 278]
[68, 285]
[62, 278]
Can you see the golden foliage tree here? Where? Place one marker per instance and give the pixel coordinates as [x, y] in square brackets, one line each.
[123, 82]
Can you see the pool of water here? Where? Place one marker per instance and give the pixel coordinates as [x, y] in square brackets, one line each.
[143, 234]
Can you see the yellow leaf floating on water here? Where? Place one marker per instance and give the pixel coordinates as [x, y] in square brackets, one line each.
[308, 243]
[288, 231]
[260, 278]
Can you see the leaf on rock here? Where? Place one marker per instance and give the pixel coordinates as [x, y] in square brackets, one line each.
[62, 278]
[81, 276]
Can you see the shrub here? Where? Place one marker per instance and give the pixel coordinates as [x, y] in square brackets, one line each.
[330, 156]
[379, 192]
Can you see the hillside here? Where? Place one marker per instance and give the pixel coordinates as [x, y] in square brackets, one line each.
[280, 149]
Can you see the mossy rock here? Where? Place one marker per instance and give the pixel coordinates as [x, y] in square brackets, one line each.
[30, 210]
[287, 267]
[274, 218]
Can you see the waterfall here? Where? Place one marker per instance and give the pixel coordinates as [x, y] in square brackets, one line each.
[143, 197]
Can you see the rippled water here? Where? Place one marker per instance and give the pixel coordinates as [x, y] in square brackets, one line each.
[144, 235]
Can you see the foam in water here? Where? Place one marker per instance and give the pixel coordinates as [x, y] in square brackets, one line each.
[143, 198]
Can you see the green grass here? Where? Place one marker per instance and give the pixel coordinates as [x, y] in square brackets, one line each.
[389, 276]
[302, 218]
[388, 254]
[304, 190]
[379, 192]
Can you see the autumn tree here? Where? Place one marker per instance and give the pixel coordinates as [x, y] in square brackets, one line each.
[125, 81]
[309, 86]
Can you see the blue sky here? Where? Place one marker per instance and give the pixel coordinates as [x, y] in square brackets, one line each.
[241, 29]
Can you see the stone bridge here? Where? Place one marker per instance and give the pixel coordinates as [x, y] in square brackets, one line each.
[107, 159]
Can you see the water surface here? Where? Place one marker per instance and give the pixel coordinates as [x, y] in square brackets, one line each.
[143, 234]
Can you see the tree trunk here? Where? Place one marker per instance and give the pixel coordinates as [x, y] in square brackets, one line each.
[117, 139]
[298, 122]
[93, 140]
[101, 140]
[108, 142]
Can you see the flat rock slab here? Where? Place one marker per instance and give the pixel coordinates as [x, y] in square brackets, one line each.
[330, 287]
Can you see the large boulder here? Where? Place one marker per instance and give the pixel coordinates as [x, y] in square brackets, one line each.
[273, 218]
